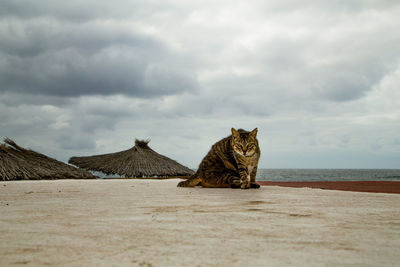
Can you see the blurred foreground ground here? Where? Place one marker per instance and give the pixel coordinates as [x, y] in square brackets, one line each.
[154, 223]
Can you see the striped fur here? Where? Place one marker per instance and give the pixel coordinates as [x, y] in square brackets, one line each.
[231, 162]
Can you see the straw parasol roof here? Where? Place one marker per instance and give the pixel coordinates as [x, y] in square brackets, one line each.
[138, 161]
[17, 163]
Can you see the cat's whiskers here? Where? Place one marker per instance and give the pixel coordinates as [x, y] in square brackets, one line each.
[245, 155]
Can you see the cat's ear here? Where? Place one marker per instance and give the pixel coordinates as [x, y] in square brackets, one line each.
[254, 133]
[235, 133]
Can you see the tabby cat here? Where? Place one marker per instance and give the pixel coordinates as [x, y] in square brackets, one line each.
[231, 162]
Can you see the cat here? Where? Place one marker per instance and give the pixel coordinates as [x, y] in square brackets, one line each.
[231, 162]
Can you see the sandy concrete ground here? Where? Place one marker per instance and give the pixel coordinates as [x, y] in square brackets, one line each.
[154, 223]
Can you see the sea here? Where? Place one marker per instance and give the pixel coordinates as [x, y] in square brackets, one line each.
[297, 175]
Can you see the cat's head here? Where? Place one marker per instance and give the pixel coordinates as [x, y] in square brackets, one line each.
[244, 143]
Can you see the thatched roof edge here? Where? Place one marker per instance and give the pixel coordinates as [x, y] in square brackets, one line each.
[138, 161]
[18, 163]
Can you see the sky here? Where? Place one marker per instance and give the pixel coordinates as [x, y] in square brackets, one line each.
[319, 79]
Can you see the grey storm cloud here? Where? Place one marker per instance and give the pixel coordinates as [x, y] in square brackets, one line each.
[78, 49]
[44, 56]
[73, 11]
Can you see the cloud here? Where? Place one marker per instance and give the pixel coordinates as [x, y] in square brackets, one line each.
[74, 11]
[44, 56]
[87, 78]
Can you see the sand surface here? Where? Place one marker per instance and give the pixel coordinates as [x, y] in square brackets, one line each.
[154, 223]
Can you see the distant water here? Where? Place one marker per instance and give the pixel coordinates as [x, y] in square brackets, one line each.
[328, 175]
[315, 175]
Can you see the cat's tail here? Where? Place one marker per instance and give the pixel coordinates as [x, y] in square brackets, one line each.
[191, 182]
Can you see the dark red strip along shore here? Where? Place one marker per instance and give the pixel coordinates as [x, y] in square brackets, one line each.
[392, 187]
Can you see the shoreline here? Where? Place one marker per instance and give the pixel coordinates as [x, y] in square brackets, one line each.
[391, 187]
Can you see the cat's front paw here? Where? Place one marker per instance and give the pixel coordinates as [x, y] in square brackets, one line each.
[245, 182]
[245, 185]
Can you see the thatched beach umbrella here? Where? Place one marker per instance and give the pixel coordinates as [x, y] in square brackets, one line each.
[17, 163]
[138, 161]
